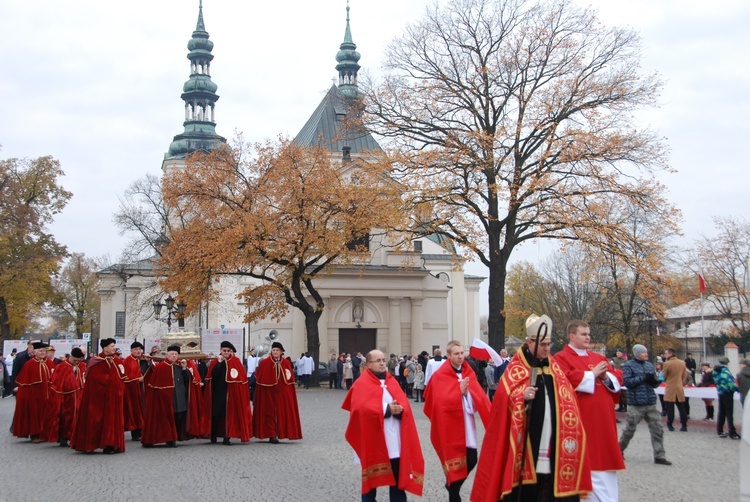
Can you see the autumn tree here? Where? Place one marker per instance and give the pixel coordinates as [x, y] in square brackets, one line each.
[30, 197]
[74, 292]
[280, 213]
[631, 258]
[507, 118]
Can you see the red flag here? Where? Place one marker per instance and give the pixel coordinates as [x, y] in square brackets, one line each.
[701, 282]
[482, 351]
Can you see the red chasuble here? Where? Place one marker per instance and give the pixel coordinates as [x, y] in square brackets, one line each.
[31, 399]
[276, 410]
[239, 417]
[66, 388]
[133, 399]
[159, 425]
[498, 470]
[597, 410]
[443, 405]
[100, 420]
[364, 402]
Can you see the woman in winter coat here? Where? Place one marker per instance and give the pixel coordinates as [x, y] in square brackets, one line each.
[348, 375]
[418, 382]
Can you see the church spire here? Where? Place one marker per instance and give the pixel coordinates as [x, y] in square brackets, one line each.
[199, 95]
[348, 58]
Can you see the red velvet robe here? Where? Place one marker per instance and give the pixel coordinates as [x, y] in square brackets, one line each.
[159, 424]
[195, 401]
[31, 399]
[443, 405]
[364, 402]
[100, 421]
[64, 401]
[597, 410]
[133, 401]
[276, 409]
[498, 470]
[239, 417]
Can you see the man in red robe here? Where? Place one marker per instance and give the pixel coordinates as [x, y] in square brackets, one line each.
[383, 433]
[32, 392]
[555, 466]
[167, 401]
[597, 389]
[195, 400]
[451, 401]
[276, 410]
[226, 402]
[64, 402]
[133, 401]
[101, 423]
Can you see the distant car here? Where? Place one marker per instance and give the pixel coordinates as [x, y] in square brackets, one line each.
[322, 372]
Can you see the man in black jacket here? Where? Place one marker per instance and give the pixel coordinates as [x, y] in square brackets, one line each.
[639, 376]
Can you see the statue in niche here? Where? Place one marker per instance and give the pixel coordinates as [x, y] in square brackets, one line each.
[358, 310]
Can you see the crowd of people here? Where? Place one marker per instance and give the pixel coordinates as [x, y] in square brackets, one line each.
[90, 403]
[550, 424]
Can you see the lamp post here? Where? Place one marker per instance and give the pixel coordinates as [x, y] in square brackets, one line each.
[687, 325]
[640, 316]
[177, 310]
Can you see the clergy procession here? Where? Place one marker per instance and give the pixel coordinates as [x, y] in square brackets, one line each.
[550, 429]
[161, 399]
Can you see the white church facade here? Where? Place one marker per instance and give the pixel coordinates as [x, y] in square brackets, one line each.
[400, 302]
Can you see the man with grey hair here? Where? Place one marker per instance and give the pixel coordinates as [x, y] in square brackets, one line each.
[639, 376]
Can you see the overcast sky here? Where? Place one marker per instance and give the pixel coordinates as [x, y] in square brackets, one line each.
[97, 85]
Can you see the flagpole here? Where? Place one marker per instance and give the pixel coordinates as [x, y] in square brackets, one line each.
[703, 336]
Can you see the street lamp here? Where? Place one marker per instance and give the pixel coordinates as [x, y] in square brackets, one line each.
[687, 325]
[176, 310]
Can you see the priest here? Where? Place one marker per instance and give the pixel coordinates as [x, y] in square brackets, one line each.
[32, 392]
[100, 423]
[134, 399]
[451, 402]
[226, 402]
[167, 401]
[276, 411]
[597, 392]
[66, 392]
[383, 433]
[535, 440]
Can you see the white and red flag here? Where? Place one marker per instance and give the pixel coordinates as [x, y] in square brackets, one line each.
[701, 282]
[482, 351]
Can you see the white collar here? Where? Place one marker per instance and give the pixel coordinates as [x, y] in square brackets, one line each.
[580, 352]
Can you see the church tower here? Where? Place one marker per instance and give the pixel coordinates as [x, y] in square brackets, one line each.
[328, 125]
[199, 95]
[348, 59]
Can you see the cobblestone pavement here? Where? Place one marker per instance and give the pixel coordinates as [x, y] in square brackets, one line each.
[320, 467]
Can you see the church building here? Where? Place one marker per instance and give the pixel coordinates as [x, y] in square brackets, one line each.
[400, 302]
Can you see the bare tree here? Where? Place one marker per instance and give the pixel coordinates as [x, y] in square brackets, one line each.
[723, 260]
[511, 119]
[144, 216]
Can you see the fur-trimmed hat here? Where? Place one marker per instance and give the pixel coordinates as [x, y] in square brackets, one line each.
[228, 345]
[106, 342]
[277, 345]
[175, 348]
[137, 345]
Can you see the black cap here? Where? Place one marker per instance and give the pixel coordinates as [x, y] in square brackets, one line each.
[136, 345]
[76, 352]
[277, 345]
[175, 348]
[228, 345]
[106, 342]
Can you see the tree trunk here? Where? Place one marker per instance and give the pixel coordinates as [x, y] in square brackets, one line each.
[498, 270]
[4, 321]
[313, 341]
